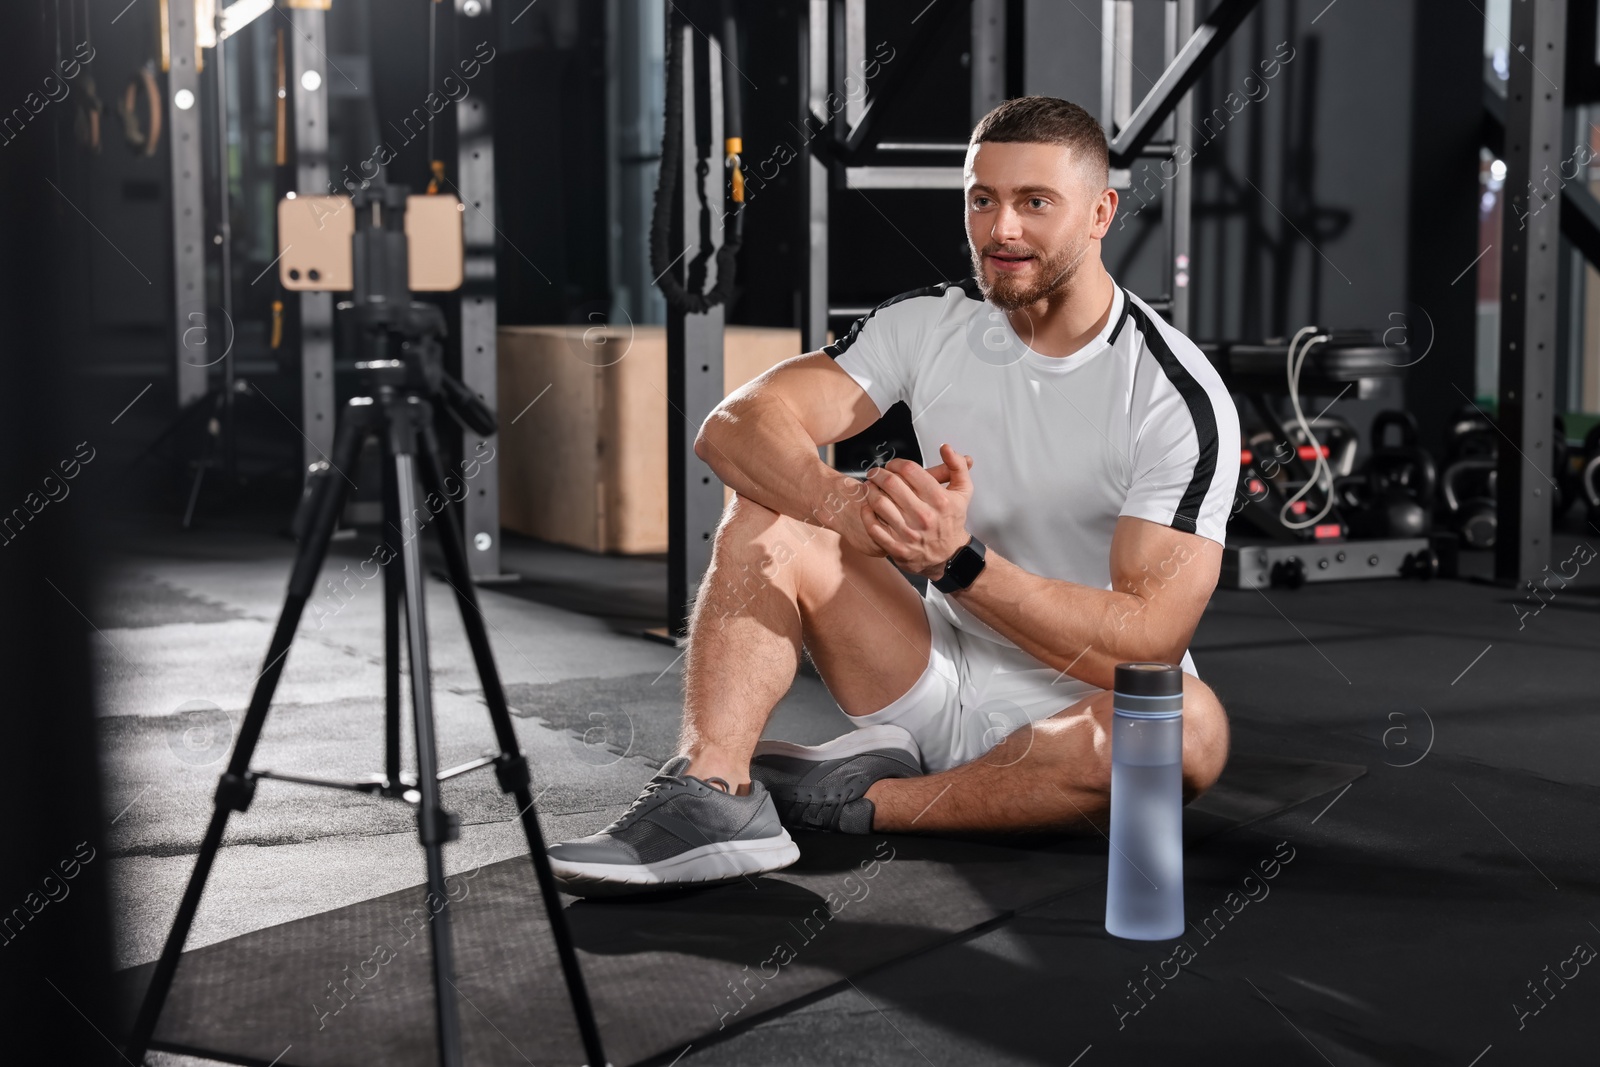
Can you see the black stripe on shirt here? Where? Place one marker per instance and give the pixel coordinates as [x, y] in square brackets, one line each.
[1127, 302]
[1200, 410]
[839, 347]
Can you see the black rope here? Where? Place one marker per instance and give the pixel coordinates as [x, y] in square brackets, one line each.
[688, 298]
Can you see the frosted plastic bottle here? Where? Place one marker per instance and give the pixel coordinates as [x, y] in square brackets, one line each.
[1144, 892]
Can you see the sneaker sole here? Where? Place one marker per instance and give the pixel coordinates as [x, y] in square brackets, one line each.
[719, 861]
[881, 737]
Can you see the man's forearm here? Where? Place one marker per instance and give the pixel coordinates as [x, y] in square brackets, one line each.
[1077, 629]
[761, 451]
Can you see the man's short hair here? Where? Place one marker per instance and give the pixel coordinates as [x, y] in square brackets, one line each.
[1048, 120]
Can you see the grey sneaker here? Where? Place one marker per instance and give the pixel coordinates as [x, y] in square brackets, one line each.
[679, 832]
[823, 787]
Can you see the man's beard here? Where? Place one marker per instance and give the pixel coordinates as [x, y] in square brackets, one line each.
[1053, 276]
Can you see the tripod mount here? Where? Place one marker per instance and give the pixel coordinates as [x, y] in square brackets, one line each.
[403, 379]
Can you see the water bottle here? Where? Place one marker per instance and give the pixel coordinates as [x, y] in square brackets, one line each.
[1144, 892]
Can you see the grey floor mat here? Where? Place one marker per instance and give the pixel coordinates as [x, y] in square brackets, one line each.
[663, 972]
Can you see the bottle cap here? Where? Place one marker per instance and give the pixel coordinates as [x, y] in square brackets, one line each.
[1149, 680]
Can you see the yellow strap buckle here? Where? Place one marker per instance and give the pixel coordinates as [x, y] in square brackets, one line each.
[732, 147]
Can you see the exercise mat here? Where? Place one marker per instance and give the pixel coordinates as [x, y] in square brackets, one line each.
[352, 985]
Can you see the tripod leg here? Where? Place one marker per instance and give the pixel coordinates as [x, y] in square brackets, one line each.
[456, 566]
[194, 489]
[206, 453]
[435, 825]
[235, 789]
[393, 595]
[173, 427]
[512, 766]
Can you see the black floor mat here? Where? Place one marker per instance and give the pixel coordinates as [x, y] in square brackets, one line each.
[352, 986]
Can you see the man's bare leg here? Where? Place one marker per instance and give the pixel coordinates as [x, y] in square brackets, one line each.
[1054, 774]
[773, 583]
[776, 584]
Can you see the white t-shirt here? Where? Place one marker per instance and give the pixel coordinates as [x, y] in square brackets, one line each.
[1136, 422]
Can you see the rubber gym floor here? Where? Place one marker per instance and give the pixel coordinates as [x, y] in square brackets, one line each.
[1426, 914]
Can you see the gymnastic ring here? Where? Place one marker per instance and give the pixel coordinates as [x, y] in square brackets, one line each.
[140, 139]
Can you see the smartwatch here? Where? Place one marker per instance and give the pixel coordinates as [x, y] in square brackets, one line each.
[963, 568]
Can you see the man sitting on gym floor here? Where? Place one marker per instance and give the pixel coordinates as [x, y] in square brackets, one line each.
[1074, 523]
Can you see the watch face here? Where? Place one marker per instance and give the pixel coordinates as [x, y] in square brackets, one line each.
[966, 565]
[962, 569]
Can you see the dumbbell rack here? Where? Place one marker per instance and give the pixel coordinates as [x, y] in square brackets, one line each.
[1261, 566]
[1323, 553]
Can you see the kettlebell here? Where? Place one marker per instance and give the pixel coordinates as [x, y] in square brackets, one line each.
[1589, 476]
[1472, 435]
[1476, 518]
[1401, 478]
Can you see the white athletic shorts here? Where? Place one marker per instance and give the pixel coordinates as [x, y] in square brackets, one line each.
[974, 693]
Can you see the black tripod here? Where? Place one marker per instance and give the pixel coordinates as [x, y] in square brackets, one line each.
[218, 411]
[404, 376]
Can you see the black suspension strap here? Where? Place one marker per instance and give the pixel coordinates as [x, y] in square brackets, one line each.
[690, 297]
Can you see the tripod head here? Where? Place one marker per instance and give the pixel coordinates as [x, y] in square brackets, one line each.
[400, 338]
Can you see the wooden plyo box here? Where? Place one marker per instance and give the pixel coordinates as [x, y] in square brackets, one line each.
[586, 464]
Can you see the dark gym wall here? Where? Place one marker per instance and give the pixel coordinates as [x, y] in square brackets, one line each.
[122, 275]
[550, 161]
[772, 263]
[1446, 132]
[55, 926]
[1302, 198]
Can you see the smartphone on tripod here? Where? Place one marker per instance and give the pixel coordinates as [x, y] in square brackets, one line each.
[314, 239]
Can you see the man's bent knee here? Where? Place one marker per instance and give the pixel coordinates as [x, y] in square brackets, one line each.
[757, 548]
[1080, 739]
[1205, 738]
[754, 538]
[1072, 747]
[745, 521]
